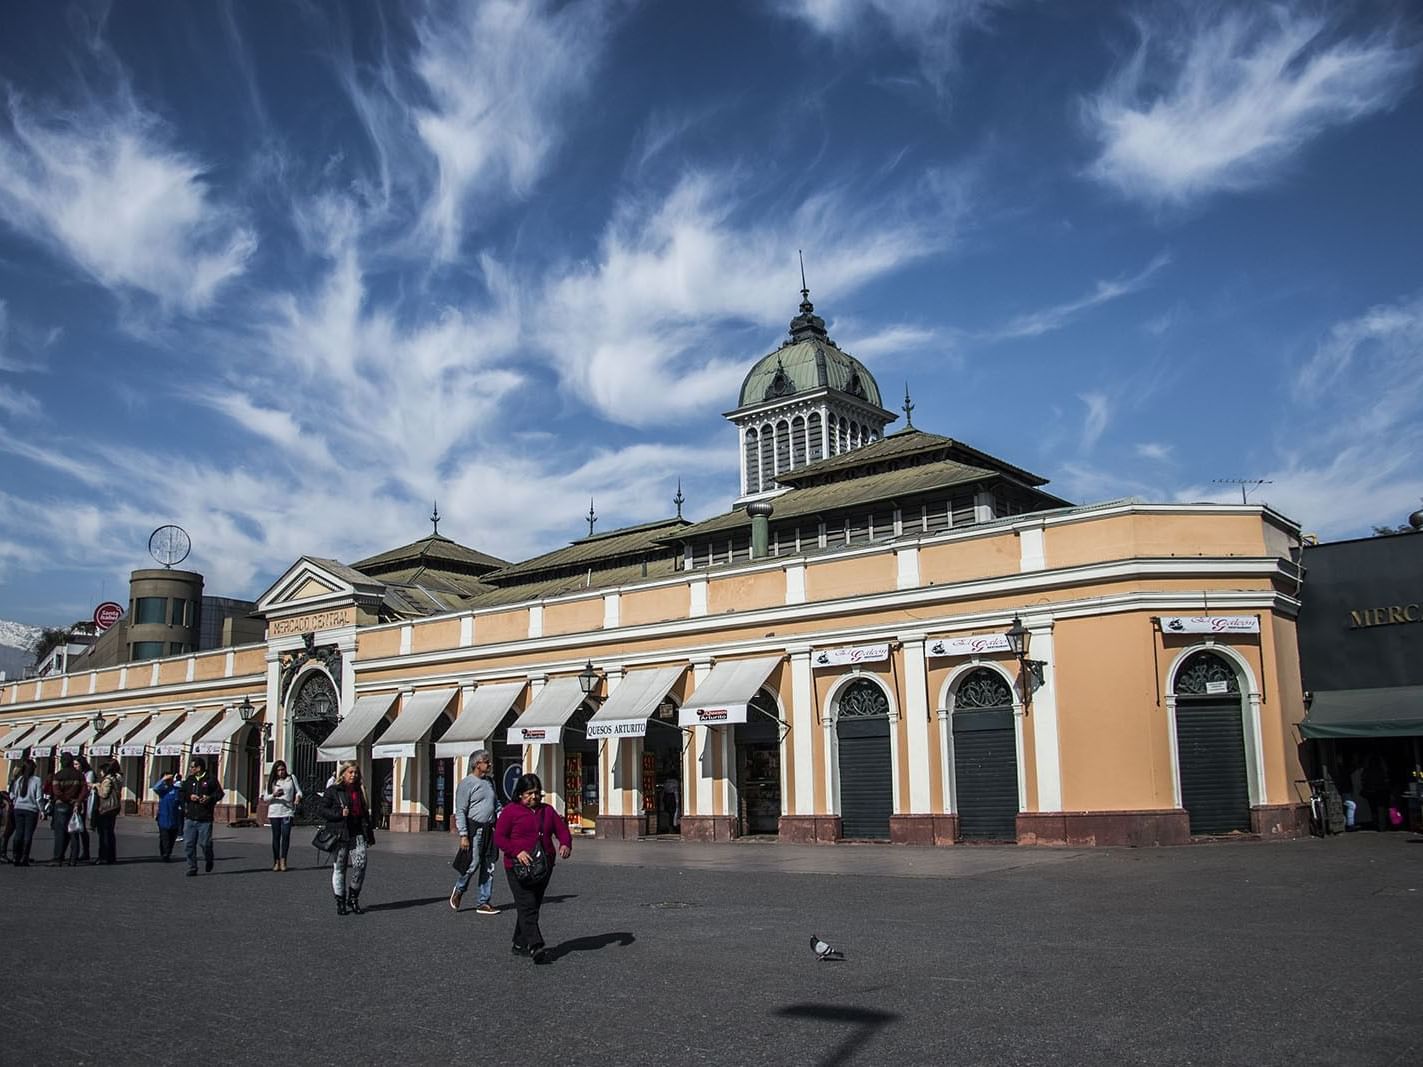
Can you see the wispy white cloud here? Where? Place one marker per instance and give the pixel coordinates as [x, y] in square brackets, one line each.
[1096, 417]
[105, 187]
[1047, 320]
[1155, 451]
[1223, 99]
[17, 403]
[931, 28]
[898, 342]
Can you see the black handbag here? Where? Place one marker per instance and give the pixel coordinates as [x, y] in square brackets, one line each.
[328, 840]
[462, 860]
[536, 870]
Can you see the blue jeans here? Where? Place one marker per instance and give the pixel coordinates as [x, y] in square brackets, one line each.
[59, 823]
[194, 834]
[25, 823]
[484, 870]
[281, 837]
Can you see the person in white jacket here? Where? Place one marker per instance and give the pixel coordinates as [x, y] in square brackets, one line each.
[27, 795]
[283, 796]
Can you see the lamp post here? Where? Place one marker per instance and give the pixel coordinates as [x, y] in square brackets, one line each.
[588, 679]
[246, 710]
[99, 723]
[1019, 637]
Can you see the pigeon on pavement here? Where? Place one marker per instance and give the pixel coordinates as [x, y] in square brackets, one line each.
[823, 951]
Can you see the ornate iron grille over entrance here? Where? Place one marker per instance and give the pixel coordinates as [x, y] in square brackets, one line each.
[1197, 674]
[863, 700]
[314, 715]
[983, 689]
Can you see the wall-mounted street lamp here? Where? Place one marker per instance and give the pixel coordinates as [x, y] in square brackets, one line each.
[1019, 637]
[99, 723]
[588, 679]
[246, 710]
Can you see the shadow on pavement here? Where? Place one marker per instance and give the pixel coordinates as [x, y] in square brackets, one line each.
[400, 905]
[866, 1021]
[589, 944]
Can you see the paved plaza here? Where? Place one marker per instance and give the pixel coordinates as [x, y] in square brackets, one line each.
[675, 954]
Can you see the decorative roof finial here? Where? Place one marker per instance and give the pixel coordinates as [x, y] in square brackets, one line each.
[679, 499]
[805, 304]
[592, 516]
[435, 518]
[908, 409]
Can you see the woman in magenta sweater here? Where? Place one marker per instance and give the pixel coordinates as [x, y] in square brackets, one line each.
[523, 828]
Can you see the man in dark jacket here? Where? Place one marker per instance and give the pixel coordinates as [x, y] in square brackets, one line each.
[200, 796]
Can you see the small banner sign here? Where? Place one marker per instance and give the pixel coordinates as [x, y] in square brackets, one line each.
[845, 657]
[1210, 624]
[976, 645]
[618, 728]
[532, 735]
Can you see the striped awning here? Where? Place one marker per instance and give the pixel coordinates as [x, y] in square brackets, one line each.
[479, 718]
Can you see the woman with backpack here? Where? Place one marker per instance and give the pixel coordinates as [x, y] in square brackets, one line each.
[108, 800]
[524, 832]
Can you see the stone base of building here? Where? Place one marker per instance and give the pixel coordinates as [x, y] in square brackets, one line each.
[923, 829]
[1280, 821]
[1088, 828]
[408, 822]
[238, 815]
[804, 829]
[620, 827]
[708, 828]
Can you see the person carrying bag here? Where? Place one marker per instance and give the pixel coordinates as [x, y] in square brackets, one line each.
[524, 832]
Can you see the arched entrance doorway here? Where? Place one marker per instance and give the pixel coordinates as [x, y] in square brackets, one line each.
[1210, 745]
[314, 711]
[864, 760]
[985, 757]
[757, 745]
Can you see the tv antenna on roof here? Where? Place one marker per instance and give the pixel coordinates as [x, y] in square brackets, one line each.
[169, 545]
[1246, 484]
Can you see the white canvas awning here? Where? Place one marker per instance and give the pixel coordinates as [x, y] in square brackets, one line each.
[633, 702]
[358, 725]
[413, 723]
[114, 736]
[12, 743]
[218, 736]
[183, 735]
[548, 713]
[45, 744]
[157, 726]
[77, 742]
[479, 718]
[723, 695]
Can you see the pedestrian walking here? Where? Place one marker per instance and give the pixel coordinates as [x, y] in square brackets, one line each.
[87, 813]
[524, 832]
[170, 814]
[26, 797]
[108, 800]
[348, 815]
[66, 797]
[200, 796]
[476, 808]
[282, 796]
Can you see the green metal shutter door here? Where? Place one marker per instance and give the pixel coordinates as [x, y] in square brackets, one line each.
[986, 775]
[1210, 748]
[866, 778]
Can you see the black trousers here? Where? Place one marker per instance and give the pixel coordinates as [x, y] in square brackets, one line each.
[528, 899]
[108, 843]
[167, 836]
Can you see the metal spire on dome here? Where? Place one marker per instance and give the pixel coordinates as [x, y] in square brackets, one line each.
[435, 518]
[591, 517]
[807, 324]
[805, 304]
[908, 409]
[679, 499]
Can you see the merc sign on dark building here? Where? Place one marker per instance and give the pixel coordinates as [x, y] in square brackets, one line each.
[1361, 657]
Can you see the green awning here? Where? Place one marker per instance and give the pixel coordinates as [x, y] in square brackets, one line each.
[1392, 712]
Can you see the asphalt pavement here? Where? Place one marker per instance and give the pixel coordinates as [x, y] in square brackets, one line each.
[1287, 953]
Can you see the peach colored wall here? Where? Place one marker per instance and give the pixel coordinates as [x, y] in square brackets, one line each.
[502, 626]
[171, 671]
[210, 667]
[1125, 536]
[654, 605]
[108, 681]
[1282, 710]
[432, 636]
[746, 592]
[1112, 733]
[250, 660]
[850, 577]
[979, 557]
[376, 644]
[50, 688]
[573, 616]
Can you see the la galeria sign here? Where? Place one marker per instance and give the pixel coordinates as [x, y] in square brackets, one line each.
[1210, 624]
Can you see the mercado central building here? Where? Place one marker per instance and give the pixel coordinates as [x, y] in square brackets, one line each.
[887, 636]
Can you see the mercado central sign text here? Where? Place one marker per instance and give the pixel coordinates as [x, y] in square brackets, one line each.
[1389, 616]
[320, 620]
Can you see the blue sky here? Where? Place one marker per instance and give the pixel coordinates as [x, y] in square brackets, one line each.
[282, 274]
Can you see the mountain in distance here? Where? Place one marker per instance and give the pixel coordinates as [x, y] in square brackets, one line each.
[15, 641]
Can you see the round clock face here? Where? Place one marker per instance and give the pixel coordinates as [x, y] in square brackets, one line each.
[169, 545]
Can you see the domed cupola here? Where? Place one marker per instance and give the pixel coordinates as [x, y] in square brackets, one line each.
[805, 401]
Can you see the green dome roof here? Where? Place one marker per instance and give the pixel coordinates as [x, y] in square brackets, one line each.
[808, 361]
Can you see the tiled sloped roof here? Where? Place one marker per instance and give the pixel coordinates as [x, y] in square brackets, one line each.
[431, 549]
[587, 551]
[536, 589]
[871, 488]
[340, 570]
[900, 447]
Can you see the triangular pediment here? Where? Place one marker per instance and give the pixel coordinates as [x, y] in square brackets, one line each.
[311, 582]
[313, 587]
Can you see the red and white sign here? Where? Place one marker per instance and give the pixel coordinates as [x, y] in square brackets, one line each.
[1210, 624]
[106, 614]
[844, 657]
[531, 735]
[977, 645]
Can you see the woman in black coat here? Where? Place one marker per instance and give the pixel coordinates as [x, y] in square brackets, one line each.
[347, 811]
